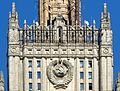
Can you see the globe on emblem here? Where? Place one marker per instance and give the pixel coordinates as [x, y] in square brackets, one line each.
[60, 74]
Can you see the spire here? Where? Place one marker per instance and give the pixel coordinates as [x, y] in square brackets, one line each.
[94, 24]
[105, 18]
[104, 13]
[13, 9]
[105, 8]
[13, 17]
[25, 24]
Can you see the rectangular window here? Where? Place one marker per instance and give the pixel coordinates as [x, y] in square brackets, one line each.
[30, 75]
[39, 75]
[39, 86]
[81, 86]
[81, 64]
[90, 64]
[81, 75]
[30, 63]
[90, 75]
[90, 86]
[30, 86]
[38, 63]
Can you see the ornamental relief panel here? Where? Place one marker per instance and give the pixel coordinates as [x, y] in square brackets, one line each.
[14, 50]
[60, 73]
[13, 34]
[106, 51]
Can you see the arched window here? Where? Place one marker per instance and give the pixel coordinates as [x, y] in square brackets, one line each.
[60, 33]
[46, 36]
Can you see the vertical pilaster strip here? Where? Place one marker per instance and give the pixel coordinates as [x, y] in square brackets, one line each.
[95, 75]
[26, 80]
[21, 75]
[11, 73]
[109, 74]
[34, 71]
[103, 74]
[86, 74]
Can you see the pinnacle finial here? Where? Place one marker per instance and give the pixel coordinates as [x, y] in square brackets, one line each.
[94, 24]
[105, 8]
[13, 9]
[25, 24]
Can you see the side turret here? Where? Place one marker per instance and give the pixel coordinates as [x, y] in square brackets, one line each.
[106, 32]
[13, 25]
[106, 52]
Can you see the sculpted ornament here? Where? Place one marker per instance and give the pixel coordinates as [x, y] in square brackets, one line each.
[14, 50]
[60, 73]
[105, 51]
[13, 36]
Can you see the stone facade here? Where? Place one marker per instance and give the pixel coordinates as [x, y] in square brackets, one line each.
[60, 56]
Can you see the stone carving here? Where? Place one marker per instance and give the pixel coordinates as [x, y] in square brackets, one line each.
[60, 73]
[13, 36]
[105, 50]
[14, 50]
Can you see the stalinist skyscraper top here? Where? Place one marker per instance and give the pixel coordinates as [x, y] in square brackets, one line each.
[59, 53]
[68, 9]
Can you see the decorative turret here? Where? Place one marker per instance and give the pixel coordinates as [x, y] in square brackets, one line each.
[13, 25]
[105, 18]
[106, 32]
[13, 17]
[106, 52]
[1, 81]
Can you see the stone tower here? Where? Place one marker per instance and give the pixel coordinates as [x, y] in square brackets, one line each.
[1, 81]
[57, 53]
[49, 9]
[106, 53]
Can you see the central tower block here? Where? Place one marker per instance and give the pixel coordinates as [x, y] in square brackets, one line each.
[68, 9]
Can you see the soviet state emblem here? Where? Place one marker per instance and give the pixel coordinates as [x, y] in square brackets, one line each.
[60, 73]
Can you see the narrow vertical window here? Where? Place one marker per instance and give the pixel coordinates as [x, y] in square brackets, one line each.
[90, 75]
[38, 63]
[38, 74]
[30, 63]
[81, 75]
[81, 64]
[30, 86]
[90, 86]
[30, 75]
[90, 64]
[81, 86]
[39, 86]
